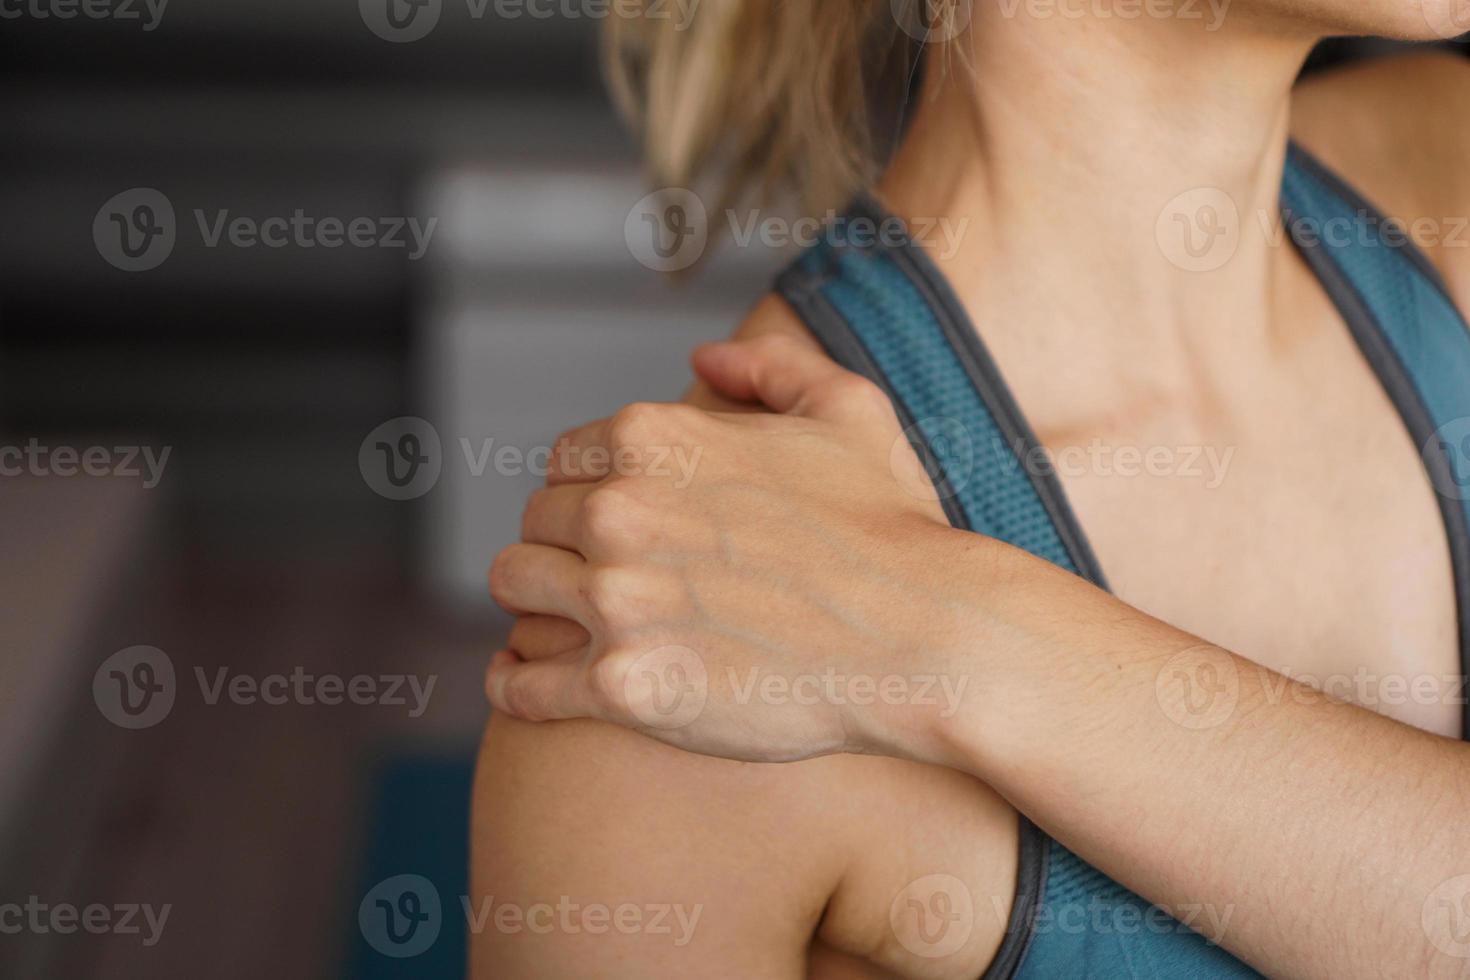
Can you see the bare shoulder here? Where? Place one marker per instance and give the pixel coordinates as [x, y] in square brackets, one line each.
[787, 870]
[722, 868]
[1395, 128]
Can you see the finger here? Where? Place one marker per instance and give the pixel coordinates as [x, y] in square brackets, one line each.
[787, 376]
[534, 578]
[540, 690]
[580, 455]
[538, 637]
[553, 516]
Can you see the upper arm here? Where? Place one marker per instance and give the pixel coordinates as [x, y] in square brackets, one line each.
[1396, 129]
[609, 818]
[750, 870]
[724, 855]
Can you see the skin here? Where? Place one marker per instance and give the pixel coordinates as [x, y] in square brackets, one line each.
[798, 547]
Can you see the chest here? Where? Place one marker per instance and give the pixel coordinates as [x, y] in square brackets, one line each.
[1298, 529]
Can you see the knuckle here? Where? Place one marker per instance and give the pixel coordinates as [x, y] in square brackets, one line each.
[609, 592]
[606, 514]
[633, 424]
[606, 680]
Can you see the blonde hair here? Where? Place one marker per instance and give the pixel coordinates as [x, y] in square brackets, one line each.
[766, 96]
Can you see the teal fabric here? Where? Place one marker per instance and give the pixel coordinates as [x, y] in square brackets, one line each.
[1083, 924]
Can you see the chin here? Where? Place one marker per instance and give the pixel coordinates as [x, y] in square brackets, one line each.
[1405, 20]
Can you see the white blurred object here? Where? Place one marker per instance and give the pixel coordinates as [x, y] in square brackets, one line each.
[540, 318]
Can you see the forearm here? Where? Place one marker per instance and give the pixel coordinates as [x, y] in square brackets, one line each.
[1195, 776]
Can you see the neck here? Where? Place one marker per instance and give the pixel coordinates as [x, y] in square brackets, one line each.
[1074, 154]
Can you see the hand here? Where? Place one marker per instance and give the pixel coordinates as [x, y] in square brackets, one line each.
[754, 586]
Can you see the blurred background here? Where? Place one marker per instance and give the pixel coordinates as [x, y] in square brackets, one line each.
[252, 480]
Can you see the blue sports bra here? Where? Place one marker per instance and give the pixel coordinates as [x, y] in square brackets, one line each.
[881, 308]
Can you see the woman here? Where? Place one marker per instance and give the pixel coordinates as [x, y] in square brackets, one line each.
[1158, 718]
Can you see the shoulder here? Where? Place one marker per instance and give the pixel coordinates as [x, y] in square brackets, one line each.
[1395, 129]
[756, 861]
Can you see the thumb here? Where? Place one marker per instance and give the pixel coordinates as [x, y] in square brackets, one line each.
[780, 372]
